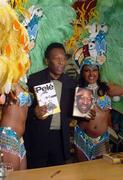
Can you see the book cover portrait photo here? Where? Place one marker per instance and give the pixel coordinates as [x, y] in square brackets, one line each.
[83, 102]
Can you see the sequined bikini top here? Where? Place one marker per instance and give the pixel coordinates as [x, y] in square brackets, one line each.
[104, 102]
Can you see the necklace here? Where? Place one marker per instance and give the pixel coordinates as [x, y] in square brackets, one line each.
[94, 88]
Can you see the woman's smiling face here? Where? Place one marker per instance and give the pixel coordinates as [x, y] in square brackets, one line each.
[90, 74]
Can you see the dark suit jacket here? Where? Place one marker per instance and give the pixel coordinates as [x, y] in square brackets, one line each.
[36, 132]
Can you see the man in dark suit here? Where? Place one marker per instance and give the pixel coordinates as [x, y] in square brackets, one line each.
[47, 138]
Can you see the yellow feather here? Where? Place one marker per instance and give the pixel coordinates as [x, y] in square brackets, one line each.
[14, 59]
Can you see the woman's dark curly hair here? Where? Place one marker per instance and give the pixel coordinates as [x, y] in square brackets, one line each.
[102, 86]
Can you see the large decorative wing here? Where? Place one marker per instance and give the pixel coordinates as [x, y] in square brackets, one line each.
[111, 12]
[54, 25]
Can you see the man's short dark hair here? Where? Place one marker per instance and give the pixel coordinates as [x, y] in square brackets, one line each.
[52, 46]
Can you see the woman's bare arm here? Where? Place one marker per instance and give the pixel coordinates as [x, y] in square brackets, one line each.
[115, 90]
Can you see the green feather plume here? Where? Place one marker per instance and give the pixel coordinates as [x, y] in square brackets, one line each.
[55, 25]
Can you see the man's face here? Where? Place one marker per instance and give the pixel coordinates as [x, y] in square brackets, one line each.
[84, 100]
[90, 74]
[57, 61]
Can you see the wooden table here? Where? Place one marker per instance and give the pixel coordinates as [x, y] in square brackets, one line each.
[91, 170]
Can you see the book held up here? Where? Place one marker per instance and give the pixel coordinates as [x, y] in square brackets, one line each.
[83, 102]
[46, 95]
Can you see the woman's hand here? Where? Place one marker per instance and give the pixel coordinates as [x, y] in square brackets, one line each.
[40, 112]
[92, 115]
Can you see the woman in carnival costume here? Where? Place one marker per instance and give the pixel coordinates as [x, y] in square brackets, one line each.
[91, 136]
[14, 99]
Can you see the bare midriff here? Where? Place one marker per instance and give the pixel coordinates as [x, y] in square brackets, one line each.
[14, 117]
[99, 125]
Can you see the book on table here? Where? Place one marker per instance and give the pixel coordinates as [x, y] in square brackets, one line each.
[114, 158]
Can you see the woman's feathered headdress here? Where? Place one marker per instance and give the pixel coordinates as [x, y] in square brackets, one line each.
[14, 48]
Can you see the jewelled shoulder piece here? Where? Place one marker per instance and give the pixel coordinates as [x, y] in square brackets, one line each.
[104, 102]
[25, 98]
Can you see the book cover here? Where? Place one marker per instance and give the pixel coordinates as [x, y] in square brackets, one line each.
[83, 102]
[46, 95]
[114, 158]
